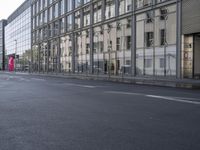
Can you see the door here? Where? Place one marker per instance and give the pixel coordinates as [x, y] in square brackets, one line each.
[188, 56]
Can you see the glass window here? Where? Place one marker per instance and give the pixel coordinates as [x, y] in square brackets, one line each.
[50, 13]
[56, 11]
[156, 42]
[69, 5]
[86, 15]
[110, 9]
[86, 1]
[66, 54]
[143, 3]
[62, 25]
[56, 28]
[45, 16]
[45, 3]
[62, 5]
[53, 56]
[69, 23]
[125, 6]
[77, 3]
[77, 20]
[97, 12]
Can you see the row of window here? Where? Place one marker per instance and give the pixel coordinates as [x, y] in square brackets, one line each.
[124, 7]
[64, 4]
[39, 5]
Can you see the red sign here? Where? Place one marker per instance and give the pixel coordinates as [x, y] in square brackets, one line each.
[11, 63]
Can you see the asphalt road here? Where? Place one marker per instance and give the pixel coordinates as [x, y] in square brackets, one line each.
[42, 113]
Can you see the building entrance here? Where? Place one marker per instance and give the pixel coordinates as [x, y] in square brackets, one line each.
[191, 56]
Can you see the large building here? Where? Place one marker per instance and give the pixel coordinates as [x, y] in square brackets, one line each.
[18, 37]
[2, 44]
[190, 39]
[145, 38]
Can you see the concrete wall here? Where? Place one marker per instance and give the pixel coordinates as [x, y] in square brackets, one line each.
[191, 16]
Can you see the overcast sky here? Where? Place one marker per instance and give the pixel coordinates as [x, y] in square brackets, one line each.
[8, 6]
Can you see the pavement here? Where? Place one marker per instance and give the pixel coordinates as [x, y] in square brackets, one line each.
[141, 80]
[49, 113]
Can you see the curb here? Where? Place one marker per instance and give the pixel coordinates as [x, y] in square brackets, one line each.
[178, 83]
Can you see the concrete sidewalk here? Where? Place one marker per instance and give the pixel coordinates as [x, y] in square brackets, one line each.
[157, 81]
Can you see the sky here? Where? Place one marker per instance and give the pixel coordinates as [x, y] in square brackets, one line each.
[8, 6]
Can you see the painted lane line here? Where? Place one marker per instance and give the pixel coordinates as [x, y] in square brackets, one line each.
[37, 79]
[123, 93]
[81, 85]
[23, 79]
[187, 98]
[174, 99]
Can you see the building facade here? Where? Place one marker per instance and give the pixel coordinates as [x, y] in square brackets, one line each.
[191, 39]
[18, 37]
[2, 44]
[114, 37]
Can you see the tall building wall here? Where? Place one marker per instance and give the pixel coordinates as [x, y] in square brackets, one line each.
[107, 37]
[18, 36]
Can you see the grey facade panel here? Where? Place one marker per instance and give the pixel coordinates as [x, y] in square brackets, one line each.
[190, 16]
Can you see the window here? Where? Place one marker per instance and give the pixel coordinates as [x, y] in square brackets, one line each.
[163, 14]
[77, 3]
[69, 23]
[128, 23]
[62, 3]
[162, 62]
[77, 20]
[162, 37]
[159, 1]
[149, 15]
[110, 9]
[97, 11]
[128, 42]
[148, 63]
[69, 5]
[86, 16]
[50, 14]
[125, 6]
[45, 16]
[56, 28]
[62, 24]
[128, 62]
[86, 1]
[56, 10]
[118, 43]
[87, 48]
[143, 3]
[149, 39]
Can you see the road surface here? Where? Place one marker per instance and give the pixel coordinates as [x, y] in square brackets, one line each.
[47, 113]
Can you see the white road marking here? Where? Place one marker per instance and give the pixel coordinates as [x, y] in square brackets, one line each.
[123, 93]
[176, 99]
[37, 79]
[81, 85]
[185, 98]
[23, 79]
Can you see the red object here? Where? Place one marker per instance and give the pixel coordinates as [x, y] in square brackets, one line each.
[11, 63]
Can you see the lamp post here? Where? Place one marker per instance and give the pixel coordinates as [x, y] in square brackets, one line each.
[15, 54]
